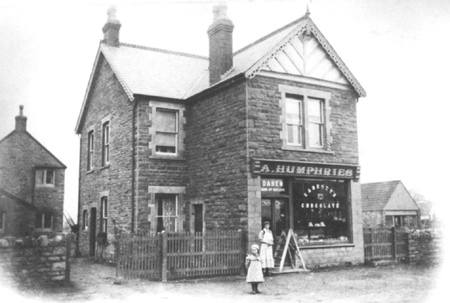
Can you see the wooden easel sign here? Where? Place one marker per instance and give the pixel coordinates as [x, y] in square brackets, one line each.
[289, 246]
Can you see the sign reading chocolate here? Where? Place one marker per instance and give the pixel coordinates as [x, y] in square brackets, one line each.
[303, 169]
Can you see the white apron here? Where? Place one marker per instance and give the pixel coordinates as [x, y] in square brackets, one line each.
[266, 250]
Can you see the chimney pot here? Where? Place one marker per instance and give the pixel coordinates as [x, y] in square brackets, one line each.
[220, 34]
[21, 120]
[112, 28]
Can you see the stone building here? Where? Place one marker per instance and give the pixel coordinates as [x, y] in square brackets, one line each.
[31, 184]
[180, 142]
[388, 204]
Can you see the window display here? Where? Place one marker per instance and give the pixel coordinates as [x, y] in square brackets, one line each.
[321, 212]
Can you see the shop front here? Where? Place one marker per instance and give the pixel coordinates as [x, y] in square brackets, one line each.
[314, 199]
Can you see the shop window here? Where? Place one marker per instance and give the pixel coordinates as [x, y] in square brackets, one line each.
[105, 143]
[104, 214]
[85, 220]
[321, 212]
[44, 221]
[2, 221]
[90, 151]
[45, 177]
[166, 136]
[167, 212]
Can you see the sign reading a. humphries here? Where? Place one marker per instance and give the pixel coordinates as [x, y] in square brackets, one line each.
[304, 169]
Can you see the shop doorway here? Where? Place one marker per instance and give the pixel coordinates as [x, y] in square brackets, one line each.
[275, 210]
[92, 231]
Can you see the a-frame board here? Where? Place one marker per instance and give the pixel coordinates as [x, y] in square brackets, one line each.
[291, 244]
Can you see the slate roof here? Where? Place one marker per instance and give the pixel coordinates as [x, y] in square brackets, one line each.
[376, 195]
[162, 73]
[45, 156]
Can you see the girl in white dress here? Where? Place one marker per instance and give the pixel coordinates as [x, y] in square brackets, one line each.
[266, 238]
[254, 269]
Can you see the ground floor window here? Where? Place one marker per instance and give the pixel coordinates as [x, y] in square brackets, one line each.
[321, 211]
[44, 220]
[167, 212]
[104, 214]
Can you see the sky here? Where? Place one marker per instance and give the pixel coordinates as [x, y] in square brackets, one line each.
[397, 49]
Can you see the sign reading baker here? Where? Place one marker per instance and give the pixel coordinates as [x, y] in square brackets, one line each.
[302, 169]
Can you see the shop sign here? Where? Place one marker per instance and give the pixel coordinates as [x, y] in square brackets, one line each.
[301, 169]
[272, 185]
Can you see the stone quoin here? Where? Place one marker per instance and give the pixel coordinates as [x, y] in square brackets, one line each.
[264, 133]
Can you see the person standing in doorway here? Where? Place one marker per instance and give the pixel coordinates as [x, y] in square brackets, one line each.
[266, 238]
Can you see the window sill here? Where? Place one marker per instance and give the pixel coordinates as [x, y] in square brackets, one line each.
[105, 167]
[320, 246]
[167, 157]
[45, 185]
[306, 150]
[90, 171]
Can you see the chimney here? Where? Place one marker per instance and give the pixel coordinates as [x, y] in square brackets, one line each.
[111, 28]
[220, 34]
[21, 121]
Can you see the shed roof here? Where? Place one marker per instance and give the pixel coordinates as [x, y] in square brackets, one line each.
[376, 195]
[17, 199]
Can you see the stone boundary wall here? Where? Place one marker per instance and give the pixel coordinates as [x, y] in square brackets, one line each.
[424, 247]
[39, 260]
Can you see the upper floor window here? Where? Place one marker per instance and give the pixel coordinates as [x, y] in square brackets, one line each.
[105, 143]
[45, 177]
[44, 220]
[2, 221]
[90, 150]
[84, 225]
[166, 137]
[104, 214]
[304, 123]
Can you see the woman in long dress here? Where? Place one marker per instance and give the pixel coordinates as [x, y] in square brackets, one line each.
[266, 251]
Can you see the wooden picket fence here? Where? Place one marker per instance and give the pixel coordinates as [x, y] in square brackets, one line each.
[385, 244]
[171, 256]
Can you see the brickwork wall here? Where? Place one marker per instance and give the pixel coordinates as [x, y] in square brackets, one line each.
[36, 262]
[216, 157]
[265, 141]
[155, 170]
[107, 99]
[264, 112]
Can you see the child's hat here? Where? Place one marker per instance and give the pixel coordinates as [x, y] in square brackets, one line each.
[256, 246]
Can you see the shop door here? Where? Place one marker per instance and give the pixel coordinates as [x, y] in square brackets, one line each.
[275, 210]
[92, 231]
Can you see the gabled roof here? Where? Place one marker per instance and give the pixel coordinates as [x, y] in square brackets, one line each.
[162, 73]
[17, 199]
[51, 159]
[376, 195]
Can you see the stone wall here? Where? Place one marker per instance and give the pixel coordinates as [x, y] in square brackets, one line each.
[216, 157]
[35, 261]
[107, 100]
[424, 248]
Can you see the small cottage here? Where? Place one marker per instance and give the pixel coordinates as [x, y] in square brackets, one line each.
[388, 204]
[31, 184]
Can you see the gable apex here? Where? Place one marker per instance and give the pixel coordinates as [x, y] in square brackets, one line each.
[305, 27]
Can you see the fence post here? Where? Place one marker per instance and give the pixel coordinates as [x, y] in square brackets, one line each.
[68, 248]
[117, 253]
[394, 243]
[164, 256]
[372, 246]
